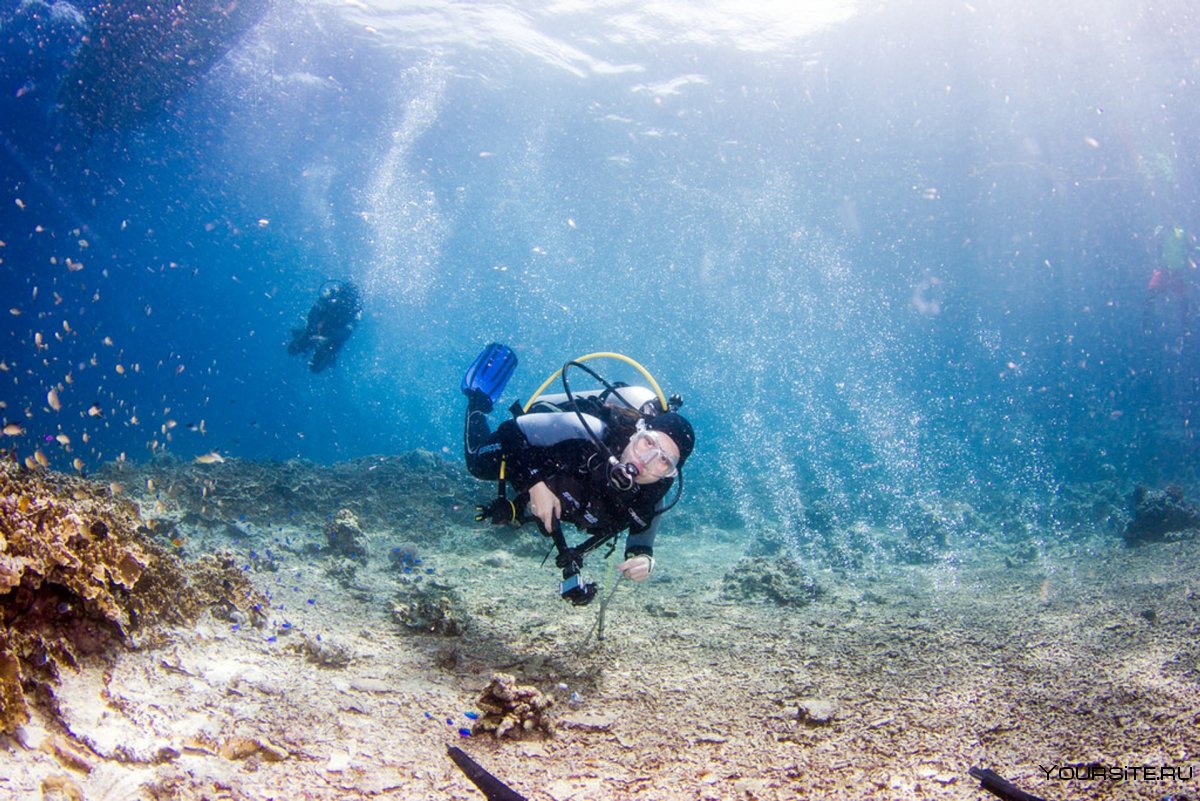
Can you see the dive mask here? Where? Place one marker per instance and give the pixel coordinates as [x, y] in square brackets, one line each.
[648, 450]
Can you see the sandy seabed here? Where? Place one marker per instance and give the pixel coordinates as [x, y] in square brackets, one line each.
[910, 675]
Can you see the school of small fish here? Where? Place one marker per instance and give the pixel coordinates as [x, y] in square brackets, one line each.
[95, 388]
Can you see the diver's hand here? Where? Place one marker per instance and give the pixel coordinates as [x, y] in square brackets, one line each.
[637, 568]
[499, 512]
[544, 505]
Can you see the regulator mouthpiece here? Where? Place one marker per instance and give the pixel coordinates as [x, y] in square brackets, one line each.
[622, 476]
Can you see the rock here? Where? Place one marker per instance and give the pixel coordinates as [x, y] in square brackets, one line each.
[660, 609]
[588, 721]
[345, 536]
[404, 556]
[344, 571]
[238, 748]
[512, 710]
[817, 712]
[1158, 514]
[498, 559]
[31, 736]
[70, 755]
[272, 752]
[229, 673]
[750, 788]
[60, 788]
[370, 685]
[325, 653]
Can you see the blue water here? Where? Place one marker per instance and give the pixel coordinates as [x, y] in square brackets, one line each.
[891, 253]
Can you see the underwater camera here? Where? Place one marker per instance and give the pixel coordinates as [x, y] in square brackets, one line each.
[578, 590]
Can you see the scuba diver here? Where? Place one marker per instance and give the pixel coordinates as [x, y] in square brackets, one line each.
[1172, 277]
[331, 321]
[604, 460]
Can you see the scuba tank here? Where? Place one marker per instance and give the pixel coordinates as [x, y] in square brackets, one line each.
[620, 396]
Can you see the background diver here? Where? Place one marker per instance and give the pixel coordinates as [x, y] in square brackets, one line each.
[602, 460]
[1171, 280]
[331, 321]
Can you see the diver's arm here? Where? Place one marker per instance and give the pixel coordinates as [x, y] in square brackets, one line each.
[545, 505]
[641, 543]
[644, 519]
[313, 324]
[639, 551]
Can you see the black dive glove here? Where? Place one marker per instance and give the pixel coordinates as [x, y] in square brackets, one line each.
[500, 512]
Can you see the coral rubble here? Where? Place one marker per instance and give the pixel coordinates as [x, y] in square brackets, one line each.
[78, 576]
[781, 581]
[511, 710]
[429, 606]
[931, 526]
[413, 491]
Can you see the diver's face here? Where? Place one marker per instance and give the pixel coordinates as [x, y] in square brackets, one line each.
[654, 454]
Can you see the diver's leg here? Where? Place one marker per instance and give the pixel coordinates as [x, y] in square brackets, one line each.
[339, 337]
[481, 446]
[323, 356]
[300, 341]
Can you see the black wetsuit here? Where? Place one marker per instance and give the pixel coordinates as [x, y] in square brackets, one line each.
[331, 321]
[554, 447]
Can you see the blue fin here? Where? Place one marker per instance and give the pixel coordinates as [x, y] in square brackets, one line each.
[490, 371]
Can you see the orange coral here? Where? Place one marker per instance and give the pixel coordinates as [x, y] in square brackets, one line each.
[76, 577]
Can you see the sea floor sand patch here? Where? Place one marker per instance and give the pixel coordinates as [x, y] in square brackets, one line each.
[892, 683]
